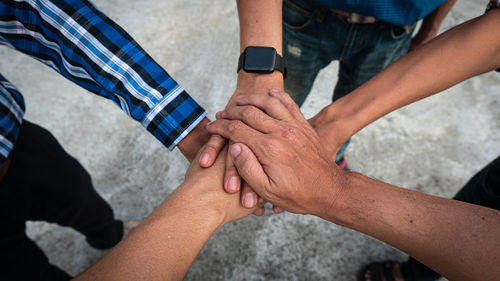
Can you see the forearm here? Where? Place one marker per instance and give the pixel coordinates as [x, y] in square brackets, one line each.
[260, 25]
[164, 246]
[98, 55]
[463, 52]
[432, 22]
[457, 239]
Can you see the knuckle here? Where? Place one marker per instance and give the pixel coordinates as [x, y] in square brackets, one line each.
[216, 128]
[286, 95]
[274, 102]
[269, 122]
[216, 139]
[244, 168]
[270, 193]
[266, 193]
[233, 126]
[271, 145]
[282, 94]
[239, 161]
[248, 112]
[292, 107]
[288, 132]
[290, 100]
[211, 148]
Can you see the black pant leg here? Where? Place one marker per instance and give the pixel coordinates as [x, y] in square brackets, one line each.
[22, 260]
[484, 190]
[59, 189]
[45, 183]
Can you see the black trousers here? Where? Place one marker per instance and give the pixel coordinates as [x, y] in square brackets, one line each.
[483, 189]
[44, 183]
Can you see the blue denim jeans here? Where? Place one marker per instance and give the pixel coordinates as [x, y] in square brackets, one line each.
[313, 36]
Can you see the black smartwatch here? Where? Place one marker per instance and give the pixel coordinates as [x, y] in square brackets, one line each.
[261, 60]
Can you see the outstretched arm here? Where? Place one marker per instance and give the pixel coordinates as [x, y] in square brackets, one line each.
[281, 157]
[457, 239]
[81, 43]
[165, 245]
[465, 51]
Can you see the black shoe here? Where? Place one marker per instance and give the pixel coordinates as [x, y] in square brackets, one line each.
[107, 238]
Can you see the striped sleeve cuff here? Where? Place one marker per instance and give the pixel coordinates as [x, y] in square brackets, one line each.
[173, 117]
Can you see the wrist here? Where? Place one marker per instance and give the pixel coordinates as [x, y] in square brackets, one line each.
[335, 123]
[339, 208]
[258, 82]
[191, 144]
[198, 202]
[359, 108]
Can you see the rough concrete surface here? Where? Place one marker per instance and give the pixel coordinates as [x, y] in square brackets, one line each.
[433, 146]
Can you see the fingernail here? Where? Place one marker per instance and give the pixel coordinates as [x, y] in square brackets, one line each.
[274, 91]
[219, 114]
[232, 184]
[249, 200]
[235, 151]
[204, 159]
[209, 123]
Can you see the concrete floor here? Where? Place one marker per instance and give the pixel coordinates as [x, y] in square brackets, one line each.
[433, 146]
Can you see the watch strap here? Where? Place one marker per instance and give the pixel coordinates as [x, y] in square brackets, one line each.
[279, 63]
[241, 61]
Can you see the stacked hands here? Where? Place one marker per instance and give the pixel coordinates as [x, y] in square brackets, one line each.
[274, 149]
[275, 155]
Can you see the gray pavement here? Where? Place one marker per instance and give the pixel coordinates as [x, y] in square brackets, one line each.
[433, 146]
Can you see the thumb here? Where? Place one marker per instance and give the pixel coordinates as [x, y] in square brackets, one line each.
[249, 167]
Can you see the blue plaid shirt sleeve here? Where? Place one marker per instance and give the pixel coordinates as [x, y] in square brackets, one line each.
[81, 43]
[11, 116]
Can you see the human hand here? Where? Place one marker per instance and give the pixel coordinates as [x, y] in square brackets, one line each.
[204, 184]
[195, 140]
[330, 131]
[166, 243]
[279, 154]
[248, 83]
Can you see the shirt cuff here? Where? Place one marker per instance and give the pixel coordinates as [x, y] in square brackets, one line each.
[173, 117]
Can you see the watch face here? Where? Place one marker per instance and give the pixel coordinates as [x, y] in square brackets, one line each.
[259, 59]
